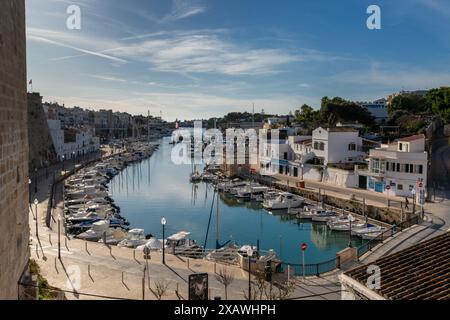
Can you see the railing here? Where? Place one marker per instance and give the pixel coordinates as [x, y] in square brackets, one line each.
[368, 246]
[315, 269]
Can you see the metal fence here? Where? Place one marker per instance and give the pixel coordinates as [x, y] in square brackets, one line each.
[314, 269]
[368, 246]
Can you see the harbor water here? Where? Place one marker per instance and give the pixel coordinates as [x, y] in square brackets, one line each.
[156, 188]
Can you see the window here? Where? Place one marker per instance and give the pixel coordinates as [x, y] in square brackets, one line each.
[420, 169]
[400, 147]
[316, 146]
[411, 168]
[295, 172]
[352, 147]
[285, 156]
[400, 187]
[322, 146]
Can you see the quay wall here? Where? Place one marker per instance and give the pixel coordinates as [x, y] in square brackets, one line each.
[14, 227]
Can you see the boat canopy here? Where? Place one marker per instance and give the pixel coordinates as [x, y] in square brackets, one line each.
[179, 236]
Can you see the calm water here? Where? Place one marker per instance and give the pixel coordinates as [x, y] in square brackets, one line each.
[156, 187]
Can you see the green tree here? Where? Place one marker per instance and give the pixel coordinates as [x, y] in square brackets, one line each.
[439, 101]
[339, 109]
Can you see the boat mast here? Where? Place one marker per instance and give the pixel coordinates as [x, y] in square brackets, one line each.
[217, 221]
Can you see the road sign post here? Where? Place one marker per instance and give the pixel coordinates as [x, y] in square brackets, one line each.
[304, 246]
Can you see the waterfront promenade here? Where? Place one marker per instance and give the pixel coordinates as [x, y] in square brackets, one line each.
[116, 273]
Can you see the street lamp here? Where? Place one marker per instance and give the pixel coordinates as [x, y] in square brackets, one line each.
[29, 191]
[35, 181]
[59, 236]
[163, 223]
[302, 170]
[36, 214]
[63, 158]
[250, 255]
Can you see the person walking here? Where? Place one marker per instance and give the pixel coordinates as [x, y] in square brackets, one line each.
[406, 203]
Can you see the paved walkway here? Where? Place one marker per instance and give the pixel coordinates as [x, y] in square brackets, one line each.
[90, 270]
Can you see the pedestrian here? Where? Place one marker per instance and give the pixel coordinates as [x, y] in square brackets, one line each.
[406, 203]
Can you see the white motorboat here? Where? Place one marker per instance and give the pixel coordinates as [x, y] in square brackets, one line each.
[324, 216]
[96, 232]
[366, 230]
[283, 201]
[152, 244]
[179, 243]
[134, 239]
[113, 237]
[195, 177]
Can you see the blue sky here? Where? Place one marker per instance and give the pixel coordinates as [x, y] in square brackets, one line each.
[203, 58]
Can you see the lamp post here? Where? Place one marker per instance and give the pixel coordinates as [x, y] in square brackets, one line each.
[59, 236]
[29, 191]
[250, 255]
[36, 213]
[303, 166]
[35, 181]
[63, 158]
[350, 219]
[163, 223]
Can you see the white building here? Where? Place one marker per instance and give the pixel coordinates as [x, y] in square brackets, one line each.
[337, 145]
[377, 109]
[397, 168]
[82, 141]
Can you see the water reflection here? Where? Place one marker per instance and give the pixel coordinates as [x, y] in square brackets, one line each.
[156, 187]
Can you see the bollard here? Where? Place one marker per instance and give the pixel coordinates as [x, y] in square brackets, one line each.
[50, 239]
[143, 288]
[215, 267]
[134, 254]
[187, 263]
[65, 242]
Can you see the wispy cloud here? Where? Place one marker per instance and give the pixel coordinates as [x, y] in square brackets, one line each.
[398, 76]
[67, 46]
[182, 9]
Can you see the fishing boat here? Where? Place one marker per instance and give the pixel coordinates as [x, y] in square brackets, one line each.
[283, 201]
[367, 230]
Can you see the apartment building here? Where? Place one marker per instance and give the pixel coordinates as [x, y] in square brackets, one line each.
[399, 168]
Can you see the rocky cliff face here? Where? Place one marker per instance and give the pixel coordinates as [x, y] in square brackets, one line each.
[42, 151]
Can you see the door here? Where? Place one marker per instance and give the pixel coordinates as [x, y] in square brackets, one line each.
[362, 182]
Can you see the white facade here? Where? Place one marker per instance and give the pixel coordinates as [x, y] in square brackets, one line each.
[337, 145]
[84, 142]
[402, 166]
[377, 109]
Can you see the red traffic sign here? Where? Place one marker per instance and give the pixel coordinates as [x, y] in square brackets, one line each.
[304, 246]
[388, 187]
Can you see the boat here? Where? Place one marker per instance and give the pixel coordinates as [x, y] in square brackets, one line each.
[366, 230]
[180, 244]
[96, 232]
[283, 201]
[195, 177]
[134, 239]
[113, 237]
[324, 216]
[153, 244]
